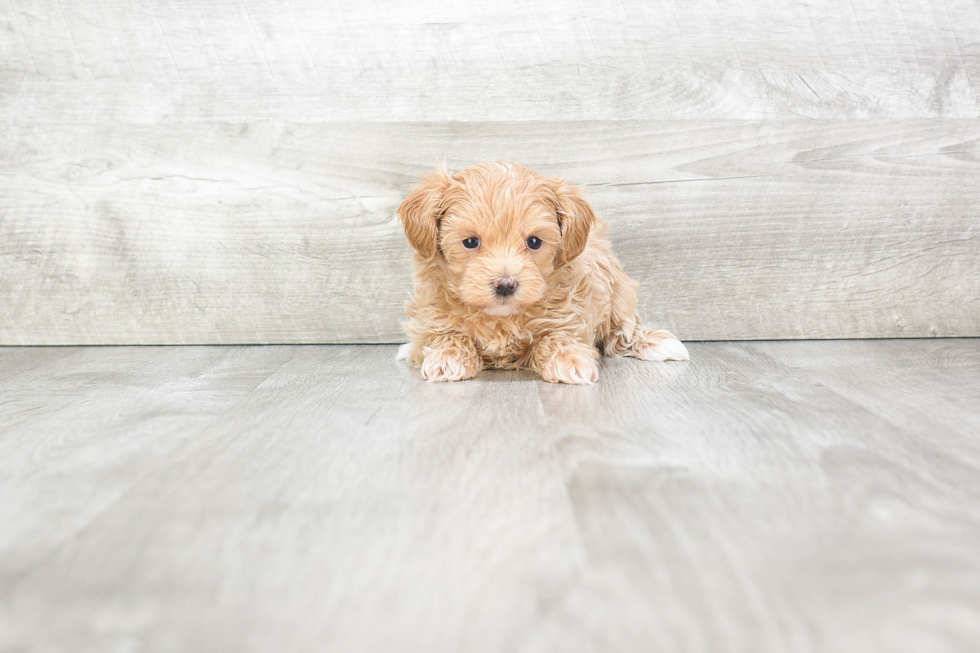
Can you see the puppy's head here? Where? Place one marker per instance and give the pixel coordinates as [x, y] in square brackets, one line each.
[501, 230]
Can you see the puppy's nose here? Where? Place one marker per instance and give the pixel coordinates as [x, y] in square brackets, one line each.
[505, 286]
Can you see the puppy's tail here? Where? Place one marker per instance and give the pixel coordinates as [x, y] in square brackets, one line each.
[403, 351]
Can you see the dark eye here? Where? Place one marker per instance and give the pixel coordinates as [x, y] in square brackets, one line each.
[534, 242]
[471, 243]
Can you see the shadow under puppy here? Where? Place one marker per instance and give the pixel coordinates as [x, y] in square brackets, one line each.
[513, 270]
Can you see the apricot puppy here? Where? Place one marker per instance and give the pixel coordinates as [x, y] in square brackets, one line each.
[513, 270]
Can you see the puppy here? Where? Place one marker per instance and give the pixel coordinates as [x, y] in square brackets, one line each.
[513, 270]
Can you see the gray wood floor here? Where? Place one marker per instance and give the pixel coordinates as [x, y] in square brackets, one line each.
[768, 496]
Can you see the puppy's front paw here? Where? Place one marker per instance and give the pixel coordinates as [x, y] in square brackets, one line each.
[449, 364]
[578, 368]
[659, 346]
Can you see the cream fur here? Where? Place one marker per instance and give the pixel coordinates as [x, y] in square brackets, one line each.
[572, 299]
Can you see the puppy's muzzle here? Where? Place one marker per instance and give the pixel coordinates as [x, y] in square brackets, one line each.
[505, 286]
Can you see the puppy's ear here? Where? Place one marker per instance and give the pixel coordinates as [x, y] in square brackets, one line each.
[421, 210]
[575, 217]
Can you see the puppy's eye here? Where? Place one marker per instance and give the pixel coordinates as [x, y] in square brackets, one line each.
[471, 243]
[534, 242]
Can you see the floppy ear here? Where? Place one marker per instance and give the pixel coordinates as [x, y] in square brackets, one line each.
[421, 210]
[575, 217]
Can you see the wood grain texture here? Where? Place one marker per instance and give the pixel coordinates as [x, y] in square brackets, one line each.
[765, 497]
[90, 422]
[279, 233]
[371, 60]
[227, 173]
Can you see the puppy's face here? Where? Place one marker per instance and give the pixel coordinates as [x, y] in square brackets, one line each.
[500, 229]
[500, 249]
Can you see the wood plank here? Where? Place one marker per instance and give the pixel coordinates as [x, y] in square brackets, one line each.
[693, 518]
[739, 502]
[933, 365]
[228, 494]
[370, 60]
[80, 426]
[221, 233]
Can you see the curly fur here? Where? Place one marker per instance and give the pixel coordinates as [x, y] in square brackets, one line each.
[572, 299]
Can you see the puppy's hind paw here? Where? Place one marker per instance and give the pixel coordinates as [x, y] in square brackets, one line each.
[448, 365]
[403, 352]
[659, 346]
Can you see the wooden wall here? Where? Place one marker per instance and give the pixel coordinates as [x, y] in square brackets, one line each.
[227, 172]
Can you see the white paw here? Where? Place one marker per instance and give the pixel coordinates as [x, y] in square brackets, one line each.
[665, 349]
[447, 365]
[575, 369]
[403, 352]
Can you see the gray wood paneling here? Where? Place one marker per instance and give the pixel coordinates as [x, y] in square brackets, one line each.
[308, 60]
[227, 172]
[256, 233]
[763, 498]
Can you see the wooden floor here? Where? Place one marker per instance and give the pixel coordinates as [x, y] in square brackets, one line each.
[767, 496]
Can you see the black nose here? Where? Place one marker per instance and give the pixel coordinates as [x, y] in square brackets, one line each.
[505, 286]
